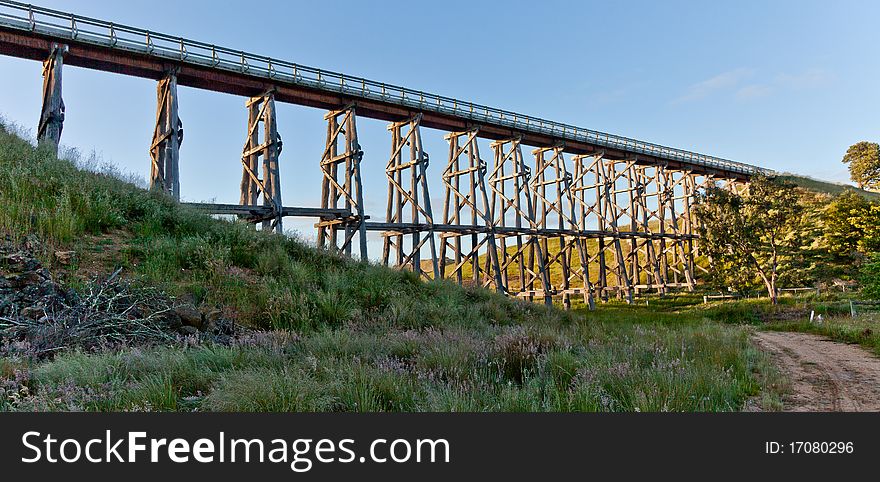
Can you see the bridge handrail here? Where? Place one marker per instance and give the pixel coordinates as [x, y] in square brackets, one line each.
[79, 28]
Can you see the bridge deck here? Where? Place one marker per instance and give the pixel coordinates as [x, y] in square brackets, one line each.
[28, 32]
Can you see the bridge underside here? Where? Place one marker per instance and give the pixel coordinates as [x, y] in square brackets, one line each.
[38, 47]
[570, 219]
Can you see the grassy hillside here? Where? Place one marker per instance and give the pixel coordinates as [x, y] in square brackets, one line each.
[262, 280]
[315, 331]
[826, 187]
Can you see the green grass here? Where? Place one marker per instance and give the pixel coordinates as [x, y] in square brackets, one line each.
[793, 314]
[332, 334]
[678, 364]
[759, 311]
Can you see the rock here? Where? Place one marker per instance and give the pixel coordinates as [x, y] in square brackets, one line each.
[213, 314]
[211, 317]
[189, 330]
[28, 278]
[172, 321]
[19, 261]
[189, 315]
[65, 257]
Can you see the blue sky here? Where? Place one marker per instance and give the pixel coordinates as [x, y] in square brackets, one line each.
[786, 85]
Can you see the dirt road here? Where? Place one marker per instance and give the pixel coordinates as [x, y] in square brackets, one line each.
[825, 375]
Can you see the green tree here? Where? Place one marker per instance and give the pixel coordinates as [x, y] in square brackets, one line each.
[871, 277]
[864, 164]
[809, 260]
[842, 225]
[851, 227]
[757, 234]
[869, 225]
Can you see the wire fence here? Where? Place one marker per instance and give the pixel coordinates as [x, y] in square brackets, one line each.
[860, 307]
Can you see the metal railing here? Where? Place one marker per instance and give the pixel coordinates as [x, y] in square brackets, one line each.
[71, 27]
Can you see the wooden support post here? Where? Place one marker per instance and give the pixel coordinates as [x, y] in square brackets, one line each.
[662, 208]
[588, 182]
[52, 113]
[167, 138]
[597, 170]
[630, 212]
[408, 188]
[271, 150]
[511, 204]
[612, 212]
[651, 227]
[644, 193]
[690, 193]
[555, 205]
[473, 200]
[677, 243]
[250, 181]
[261, 112]
[342, 190]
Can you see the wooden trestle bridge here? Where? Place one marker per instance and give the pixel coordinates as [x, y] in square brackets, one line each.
[607, 215]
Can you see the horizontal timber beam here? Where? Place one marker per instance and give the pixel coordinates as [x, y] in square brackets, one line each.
[334, 214]
[262, 211]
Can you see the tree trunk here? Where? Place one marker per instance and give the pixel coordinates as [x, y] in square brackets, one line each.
[771, 289]
[770, 284]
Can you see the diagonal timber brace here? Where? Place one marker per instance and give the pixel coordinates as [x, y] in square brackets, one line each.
[523, 264]
[555, 208]
[466, 203]
[409, 202]
[342, 188]
[261, 113]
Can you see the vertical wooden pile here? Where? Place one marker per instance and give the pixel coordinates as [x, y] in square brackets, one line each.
[555, 216]
[694, 186]
[342, 189]
[588, 183]
[167, 138]
[408, 215]
[52, 114]
[673, 222]
[596, 191]
[611, 211]
[523, 265]
[261, 113]
[466, 205]
[647, 201]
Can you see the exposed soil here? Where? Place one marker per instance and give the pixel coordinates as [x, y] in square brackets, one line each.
[102, 253]
[825, 375]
